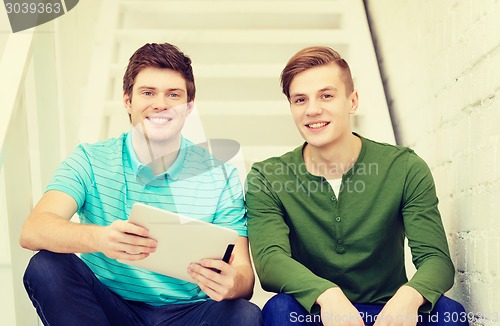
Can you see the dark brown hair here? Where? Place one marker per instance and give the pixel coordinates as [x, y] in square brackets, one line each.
[311, 57]
[163, 56]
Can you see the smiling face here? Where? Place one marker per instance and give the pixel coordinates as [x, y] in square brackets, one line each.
[158, 104]
[320, 105]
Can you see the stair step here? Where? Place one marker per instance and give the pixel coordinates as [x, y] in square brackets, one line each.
[233, 7]
[230, 53]
[216, 37]
[196, 15]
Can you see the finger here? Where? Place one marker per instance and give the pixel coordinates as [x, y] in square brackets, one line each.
[135, 250]
[135, 229]
[134, 240]
[205, 273]
[215, 264]
[132, 257]
[206, 277]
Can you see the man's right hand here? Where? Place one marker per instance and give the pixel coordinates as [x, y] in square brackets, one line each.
[125, 240]
[337, 310]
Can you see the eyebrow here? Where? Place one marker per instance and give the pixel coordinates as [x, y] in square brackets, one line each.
[327, 88]
[154, 88]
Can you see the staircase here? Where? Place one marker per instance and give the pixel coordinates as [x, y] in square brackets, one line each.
[238, 49]
[67, 89]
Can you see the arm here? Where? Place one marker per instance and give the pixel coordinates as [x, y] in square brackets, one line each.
[49, 227]
[236, 279]
[426, 235]
[269, 239]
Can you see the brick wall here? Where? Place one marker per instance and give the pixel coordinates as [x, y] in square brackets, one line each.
[441, 66]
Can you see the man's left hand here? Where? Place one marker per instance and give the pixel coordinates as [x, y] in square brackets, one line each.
[218, 286]
[401, 309]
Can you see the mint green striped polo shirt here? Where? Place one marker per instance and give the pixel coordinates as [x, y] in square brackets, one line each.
[106, 179]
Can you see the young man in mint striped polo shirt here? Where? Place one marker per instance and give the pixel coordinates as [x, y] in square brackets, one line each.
[151, 164]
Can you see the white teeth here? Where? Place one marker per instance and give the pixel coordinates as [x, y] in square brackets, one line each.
[317, 125]
[158, 120]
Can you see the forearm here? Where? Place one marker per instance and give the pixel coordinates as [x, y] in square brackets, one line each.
[51, 232]
[433, 278]
[283, 274]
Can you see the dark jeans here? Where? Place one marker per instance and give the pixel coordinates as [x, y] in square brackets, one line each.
[283, 309]
[65, 292]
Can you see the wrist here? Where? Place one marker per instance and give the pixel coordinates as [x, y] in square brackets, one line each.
[330, 294]
[95, 236]
[412, 294]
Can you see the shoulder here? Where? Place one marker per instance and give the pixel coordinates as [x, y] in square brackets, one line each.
[387, 153]
[392, 156]
[107, 148]
[384, 149]
[103, 154]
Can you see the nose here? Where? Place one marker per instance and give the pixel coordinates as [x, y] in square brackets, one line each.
[313, 108]
[161, 103]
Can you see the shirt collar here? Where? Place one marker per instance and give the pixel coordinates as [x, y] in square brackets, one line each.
[172, 172]
[135, 164]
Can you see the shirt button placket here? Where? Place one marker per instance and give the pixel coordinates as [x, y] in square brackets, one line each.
[339, 248]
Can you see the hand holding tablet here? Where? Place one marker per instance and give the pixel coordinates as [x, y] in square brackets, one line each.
[181, 241]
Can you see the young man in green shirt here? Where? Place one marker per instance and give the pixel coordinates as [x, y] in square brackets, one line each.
[327, 221]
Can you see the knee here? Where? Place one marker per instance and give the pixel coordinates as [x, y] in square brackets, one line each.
[445, 304]
[281, 302]
[449, 312]
[39, 265]
[42, 268]
[245, 313]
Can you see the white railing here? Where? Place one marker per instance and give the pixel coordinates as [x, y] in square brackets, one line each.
[30, 138]
[41, 81]
[15, 173]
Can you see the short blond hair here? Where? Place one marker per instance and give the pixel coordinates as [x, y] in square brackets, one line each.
[311, 57]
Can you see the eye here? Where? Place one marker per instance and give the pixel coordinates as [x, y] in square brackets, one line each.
[326, 96]
[298, 100]
[174, 95]
[147, 93]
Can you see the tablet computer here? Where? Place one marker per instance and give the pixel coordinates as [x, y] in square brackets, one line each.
[181, 241]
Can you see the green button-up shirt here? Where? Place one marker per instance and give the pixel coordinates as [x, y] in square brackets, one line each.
[305, 240]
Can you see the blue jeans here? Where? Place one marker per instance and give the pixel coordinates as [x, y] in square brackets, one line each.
[65, 291]
[283, 309]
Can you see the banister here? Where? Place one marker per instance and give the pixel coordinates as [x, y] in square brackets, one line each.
[13, 68]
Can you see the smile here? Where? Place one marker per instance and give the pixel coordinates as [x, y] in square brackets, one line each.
[317, 125]
[159, 121]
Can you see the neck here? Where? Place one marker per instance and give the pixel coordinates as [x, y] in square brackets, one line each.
[159, 155]
[333, 160]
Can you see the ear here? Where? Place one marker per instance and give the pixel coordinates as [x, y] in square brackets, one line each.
[190, 106]
[354, 102]
[128, 102]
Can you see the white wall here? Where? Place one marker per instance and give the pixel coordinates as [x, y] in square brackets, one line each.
[441, 61]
